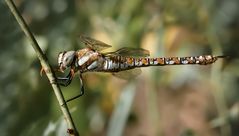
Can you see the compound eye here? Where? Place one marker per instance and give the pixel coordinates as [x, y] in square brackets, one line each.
[60, 58]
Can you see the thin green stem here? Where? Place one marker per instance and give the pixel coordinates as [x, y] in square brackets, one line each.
[46, 66]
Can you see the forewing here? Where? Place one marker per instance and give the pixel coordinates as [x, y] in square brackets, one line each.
[94, 44]
[128, 51]
[128, 74]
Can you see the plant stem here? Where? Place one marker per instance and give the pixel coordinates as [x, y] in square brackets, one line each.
[47, 68]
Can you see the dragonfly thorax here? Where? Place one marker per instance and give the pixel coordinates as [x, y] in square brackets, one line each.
[65, 59]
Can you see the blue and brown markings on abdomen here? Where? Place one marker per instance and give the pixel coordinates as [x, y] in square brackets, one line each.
[120, 63]
[143, 62]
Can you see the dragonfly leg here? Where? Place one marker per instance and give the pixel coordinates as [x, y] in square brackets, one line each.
[64, 81]
[82, 91]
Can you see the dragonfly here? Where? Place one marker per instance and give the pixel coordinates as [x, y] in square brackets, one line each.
[121, 63]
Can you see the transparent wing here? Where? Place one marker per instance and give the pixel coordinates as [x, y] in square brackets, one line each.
[94, 44]
[128, 74]
[128, 51]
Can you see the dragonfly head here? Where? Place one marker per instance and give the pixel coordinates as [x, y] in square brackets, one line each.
[65, 59]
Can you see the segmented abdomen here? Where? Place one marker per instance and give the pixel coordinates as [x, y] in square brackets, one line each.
[119, 63]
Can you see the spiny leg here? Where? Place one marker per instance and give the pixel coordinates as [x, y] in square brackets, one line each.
[65, 81]
[81, 91]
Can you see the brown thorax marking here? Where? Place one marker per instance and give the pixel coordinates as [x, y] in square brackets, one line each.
[82, 52]
[94, 56]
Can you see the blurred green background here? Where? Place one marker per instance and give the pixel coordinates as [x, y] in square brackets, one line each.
[162, 101]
